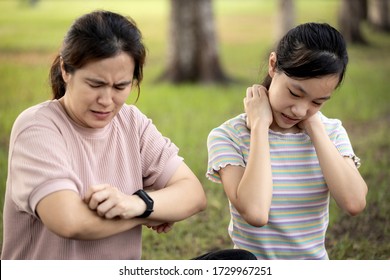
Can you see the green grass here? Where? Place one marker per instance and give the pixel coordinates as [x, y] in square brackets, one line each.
[29, 38]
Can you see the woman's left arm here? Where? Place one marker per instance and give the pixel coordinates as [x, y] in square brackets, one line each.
[182, 197]
[344, 181]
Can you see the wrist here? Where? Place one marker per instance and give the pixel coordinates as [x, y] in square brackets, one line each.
[260, 127]
[146, 202]
[316, 132]
[140, 205]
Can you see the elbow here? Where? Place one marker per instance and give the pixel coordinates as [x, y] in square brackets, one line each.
[201, 203]
[68, 230]
[355, 208]
[201, 199]
[256, 217]
[73, 228]
[195, 205]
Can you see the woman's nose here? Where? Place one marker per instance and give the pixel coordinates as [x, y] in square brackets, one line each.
[105, 96]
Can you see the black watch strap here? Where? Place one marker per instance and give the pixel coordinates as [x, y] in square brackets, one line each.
[148, 201]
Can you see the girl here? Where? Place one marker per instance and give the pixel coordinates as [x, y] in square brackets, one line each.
[280, 161]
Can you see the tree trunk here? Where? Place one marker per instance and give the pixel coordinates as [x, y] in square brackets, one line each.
[379, 14]
[286, 17]
[351, 15]
[193, 52]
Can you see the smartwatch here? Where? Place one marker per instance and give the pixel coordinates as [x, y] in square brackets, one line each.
[148, 201]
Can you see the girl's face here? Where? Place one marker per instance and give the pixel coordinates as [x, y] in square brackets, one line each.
[294, 100]
[96, 92]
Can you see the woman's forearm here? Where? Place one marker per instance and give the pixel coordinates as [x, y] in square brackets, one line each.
[181, 198]
[65, 214]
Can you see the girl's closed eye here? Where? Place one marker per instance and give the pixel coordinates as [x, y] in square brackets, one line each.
[293, 94]
[317, 103]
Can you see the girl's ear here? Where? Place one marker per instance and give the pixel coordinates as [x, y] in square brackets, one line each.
[272, 64]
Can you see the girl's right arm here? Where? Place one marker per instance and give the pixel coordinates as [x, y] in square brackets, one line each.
[250, 189]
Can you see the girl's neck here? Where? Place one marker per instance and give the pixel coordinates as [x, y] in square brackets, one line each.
[276, 128]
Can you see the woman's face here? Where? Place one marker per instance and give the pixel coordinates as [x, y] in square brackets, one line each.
[294, 100]
[96, 92]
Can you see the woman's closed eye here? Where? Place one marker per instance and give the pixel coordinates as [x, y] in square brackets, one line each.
[95, 85]
[120, 87]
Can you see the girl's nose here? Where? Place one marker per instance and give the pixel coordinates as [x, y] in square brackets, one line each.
[299, 110]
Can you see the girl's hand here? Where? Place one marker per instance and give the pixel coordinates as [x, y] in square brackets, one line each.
[257, 107]
[109, 202]
[310, 123]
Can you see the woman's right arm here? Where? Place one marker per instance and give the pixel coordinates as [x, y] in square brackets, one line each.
[249, 189]
[66, 214]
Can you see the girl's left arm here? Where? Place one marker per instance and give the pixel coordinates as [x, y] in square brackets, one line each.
[344, 181]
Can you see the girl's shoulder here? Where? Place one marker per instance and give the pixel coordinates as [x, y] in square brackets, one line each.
[235, 125]
[331, 124]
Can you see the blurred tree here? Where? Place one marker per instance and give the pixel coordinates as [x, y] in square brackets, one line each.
[351, 14]
[193, 50]
[31, 3]
[379, 14]
[286, 17]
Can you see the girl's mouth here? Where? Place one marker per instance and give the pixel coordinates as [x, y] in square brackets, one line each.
[289, 120]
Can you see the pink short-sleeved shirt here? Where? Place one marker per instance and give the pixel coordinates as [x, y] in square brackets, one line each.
[49, 152]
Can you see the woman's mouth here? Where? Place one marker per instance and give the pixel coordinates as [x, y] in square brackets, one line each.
[100, 114]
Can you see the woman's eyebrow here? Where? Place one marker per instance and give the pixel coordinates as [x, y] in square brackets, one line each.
[101, 82]
[95, 81]
[124, 83]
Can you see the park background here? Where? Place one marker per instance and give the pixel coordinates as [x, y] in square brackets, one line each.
[30, 36]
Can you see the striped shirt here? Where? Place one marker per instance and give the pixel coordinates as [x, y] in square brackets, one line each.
[299, 213]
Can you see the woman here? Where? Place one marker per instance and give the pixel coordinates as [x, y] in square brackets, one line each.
[280, 161]
[86, 170]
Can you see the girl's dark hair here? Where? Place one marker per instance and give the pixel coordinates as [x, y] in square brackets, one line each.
[311, 50]
[94, 36]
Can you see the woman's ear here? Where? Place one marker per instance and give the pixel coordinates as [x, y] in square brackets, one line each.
[64, 74]
[272, 64]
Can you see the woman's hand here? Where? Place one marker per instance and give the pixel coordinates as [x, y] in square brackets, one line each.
[109, 202]
[161, 228]
[257, 106]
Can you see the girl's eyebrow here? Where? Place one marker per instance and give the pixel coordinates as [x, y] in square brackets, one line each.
[299, 88]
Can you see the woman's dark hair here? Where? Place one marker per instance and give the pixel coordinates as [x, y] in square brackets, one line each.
[94, 36]
[311, 50]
